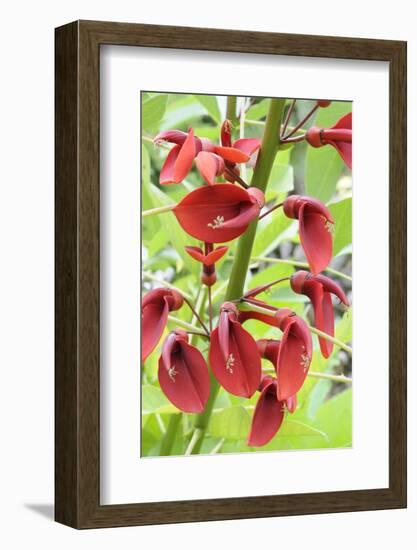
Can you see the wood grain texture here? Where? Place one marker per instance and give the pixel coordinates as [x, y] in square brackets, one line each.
[78, 285]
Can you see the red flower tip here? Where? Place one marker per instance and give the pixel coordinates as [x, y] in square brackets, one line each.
[218, 213]
[226, 133]
[183, 374]
[233, 354]
[319, 289]
[155, 308]
[207, 259]
[323, 103]
[268, 414]
[339, 136]
[180, 159]
[291, 404]
[316, 224]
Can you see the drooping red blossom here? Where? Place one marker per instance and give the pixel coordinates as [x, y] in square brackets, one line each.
[155, 308]
[218, 213]
[316, 225]
[293, 353]
[211, 159]
[208, 259]
[319, 289]
[268, 414]
[183, 373]
[339, 136]
[233, 355]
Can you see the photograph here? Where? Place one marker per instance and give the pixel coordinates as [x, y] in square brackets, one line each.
[246, 274]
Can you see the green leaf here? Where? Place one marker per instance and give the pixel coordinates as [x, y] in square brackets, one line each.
[343, 330]
[271, 231]
[258, 110]
[209, 102]
[154, 401]
[230, 423]
[342, 214]
[335, 418]
[153, 110]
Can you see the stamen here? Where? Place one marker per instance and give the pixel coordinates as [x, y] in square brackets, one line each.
[172, 373]
[217, 222]
[305, 361]
[230, 363]
[330, 227]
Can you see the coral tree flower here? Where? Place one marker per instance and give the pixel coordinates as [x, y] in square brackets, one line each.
[293, 355]
[233, 356]
[155, 308]
[218, 213]
[183, 373]
[316, 225]
[208, 259]
[319, 289]
[268, 414]
[339, 136]
[211, 159]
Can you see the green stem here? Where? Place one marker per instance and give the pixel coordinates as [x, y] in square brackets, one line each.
[159, 210]
[187, 326]
[231, 109]
[261, 173]
[299, 264]
[170, 434]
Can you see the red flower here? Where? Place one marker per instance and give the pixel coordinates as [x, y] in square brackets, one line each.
[319, 289]
[155, 307]
[211, 159]
[316, 223]
[208, 259]
[233, 356]
[218, 213]
[183, 374]
[292, 356]
[339, 136]
[268, 414]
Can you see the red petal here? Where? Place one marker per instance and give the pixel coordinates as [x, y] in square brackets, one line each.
[215, 255]
[323, 313]
[293, 363]
[196, 253]
[231, 154]
[209, 165]
[154, 319]
[267, 417]
[330, 286]
[166, 175]
[240, 373]
[247, 145]
[344, 122]
[198, 211]
[345, 151]
[185, 158]
[188, 385]
[315, 238]
[172, 136]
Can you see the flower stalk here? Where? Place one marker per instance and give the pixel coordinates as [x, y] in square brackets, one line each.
[269, 148]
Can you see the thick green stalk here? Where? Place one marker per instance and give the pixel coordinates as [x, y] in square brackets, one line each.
[269, 149]
[266, 157]
[170, 434]
[231, 109]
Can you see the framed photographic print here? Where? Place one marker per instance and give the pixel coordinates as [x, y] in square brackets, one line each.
[230, 274]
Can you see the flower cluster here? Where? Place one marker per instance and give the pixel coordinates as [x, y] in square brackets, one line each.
[218, 212]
